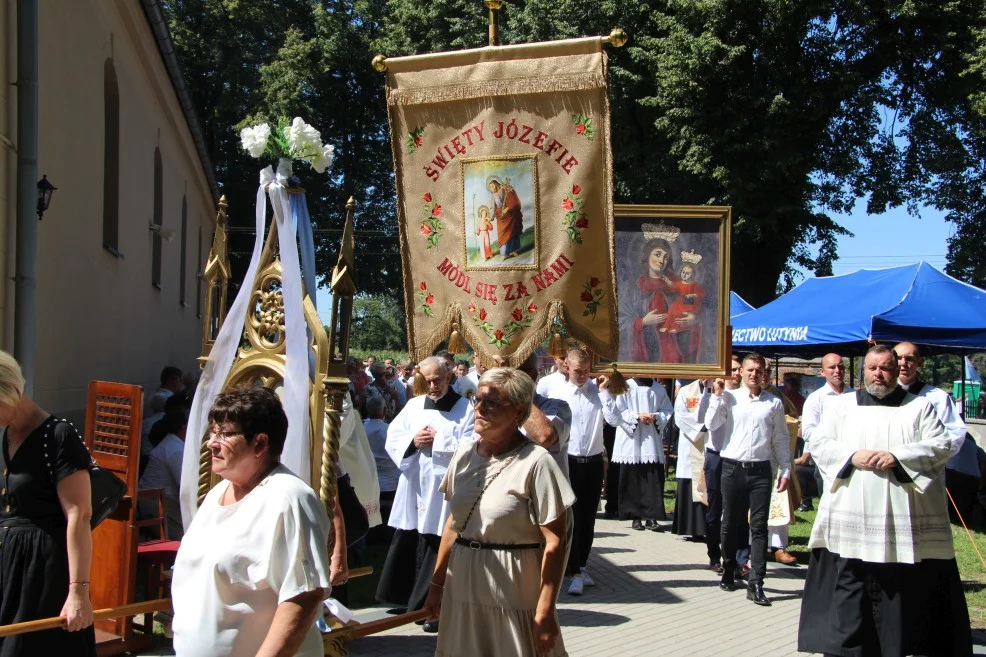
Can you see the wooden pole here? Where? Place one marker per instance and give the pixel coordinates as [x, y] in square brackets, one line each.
[133, 609]
[377, 626]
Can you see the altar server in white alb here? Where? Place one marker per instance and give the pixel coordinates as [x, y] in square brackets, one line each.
[639, 449]
[883, 578]
[421, 441]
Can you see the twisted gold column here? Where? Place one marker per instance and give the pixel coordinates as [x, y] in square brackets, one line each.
[334, 390]
[205, 471]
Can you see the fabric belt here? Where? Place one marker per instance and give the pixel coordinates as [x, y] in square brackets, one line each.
[747, 464]
[586, 459]
[476, 545]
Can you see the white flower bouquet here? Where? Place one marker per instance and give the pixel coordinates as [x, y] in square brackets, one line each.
[292, 141]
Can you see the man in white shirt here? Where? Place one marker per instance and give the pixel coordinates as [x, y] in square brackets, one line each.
[164, 471]
[962, 470]
[549, 385]
[816, 404]
[591, 406]
[550, 422]
[883, 578]
[755, 438]
[421, 441]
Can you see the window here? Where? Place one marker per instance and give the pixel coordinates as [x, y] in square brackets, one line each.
[198, 277]
[111, 159]
[184, 250]
[158, 220]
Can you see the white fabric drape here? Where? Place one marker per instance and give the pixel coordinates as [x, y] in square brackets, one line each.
[295, 455]
[219, 363]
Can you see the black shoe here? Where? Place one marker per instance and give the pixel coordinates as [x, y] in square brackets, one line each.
[715, 567]
[609, 515]
[743, 572]
[431, 627]
[636, 525]
[653, 526]
[805, 506]
[727, 583]
[755, 592]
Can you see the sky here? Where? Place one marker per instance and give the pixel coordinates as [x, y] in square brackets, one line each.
[891, 239]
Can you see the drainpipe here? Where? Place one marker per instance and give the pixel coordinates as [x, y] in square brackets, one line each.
[25, 280]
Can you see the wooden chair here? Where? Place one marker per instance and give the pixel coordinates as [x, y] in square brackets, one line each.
[113, 419]
[155, 556]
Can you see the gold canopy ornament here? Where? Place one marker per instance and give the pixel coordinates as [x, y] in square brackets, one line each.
[504, 179]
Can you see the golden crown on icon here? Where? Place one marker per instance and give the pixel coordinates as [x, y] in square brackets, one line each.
[691, 257]
[661, 231]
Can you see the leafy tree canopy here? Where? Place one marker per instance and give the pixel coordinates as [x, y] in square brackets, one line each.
[788, 111]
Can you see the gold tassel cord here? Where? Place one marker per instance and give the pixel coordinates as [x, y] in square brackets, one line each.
[557, 348]
[456, 345]
[617, 383]
[420, 385]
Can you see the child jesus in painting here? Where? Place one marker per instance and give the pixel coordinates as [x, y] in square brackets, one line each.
[483, 229]
[686, 305]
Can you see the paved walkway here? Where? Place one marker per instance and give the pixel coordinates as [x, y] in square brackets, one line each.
[652, 597]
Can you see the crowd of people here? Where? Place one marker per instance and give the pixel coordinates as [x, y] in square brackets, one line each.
[490, 482]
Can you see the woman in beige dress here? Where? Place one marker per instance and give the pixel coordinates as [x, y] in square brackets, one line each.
[502, 554]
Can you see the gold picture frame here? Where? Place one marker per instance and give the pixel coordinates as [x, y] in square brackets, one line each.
[672, 280]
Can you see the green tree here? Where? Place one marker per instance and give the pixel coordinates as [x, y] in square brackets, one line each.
[788, 111]
[378, 323]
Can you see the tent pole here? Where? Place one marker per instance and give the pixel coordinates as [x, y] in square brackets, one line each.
[777, 367]
[852, 371]
[962, 389]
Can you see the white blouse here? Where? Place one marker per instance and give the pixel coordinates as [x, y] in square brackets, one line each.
[238, 562]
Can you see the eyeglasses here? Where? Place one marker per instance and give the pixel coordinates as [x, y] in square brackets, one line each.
[224, 436]
[487, 403]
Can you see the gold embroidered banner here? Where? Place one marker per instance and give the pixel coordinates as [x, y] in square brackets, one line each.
[504, 184]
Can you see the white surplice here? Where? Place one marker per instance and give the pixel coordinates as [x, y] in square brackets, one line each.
[885, 516]
[692, 433]
[635, 442]
[418, 504]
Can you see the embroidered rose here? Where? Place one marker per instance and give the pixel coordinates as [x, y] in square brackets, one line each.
[532, 308]
[423, 285]
[425, 229]
[567, 204]
[576, 189]
[580, 128]
[517, 314]
[418, 141]
[482, 314]
[427, 197]
[586, 296]
[437, 211]
[593, 282]
[430, 299]
[582, 222]
[472, 307]
[498, 334]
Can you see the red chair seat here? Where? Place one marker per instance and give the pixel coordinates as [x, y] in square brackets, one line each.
[157, 553]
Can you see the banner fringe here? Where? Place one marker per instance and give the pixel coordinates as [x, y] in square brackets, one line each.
[514, 86]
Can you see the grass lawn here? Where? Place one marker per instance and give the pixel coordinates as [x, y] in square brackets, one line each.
[970, 569]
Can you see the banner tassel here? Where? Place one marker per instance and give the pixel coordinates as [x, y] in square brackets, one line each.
[617, 383]
[557, 347]
[456, 345]
[420, 385]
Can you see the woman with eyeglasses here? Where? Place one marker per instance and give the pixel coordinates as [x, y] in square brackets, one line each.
[253, 569]
[502, 554]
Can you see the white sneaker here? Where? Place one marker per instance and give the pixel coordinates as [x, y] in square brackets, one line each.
[575, 588]
[586, 580]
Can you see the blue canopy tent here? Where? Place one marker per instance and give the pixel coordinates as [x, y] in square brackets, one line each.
[737, 305]
[915, 302]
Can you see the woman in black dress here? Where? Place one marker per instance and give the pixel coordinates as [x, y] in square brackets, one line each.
[45, 540]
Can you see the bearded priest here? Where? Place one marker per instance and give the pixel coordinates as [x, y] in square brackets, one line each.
[882, 578]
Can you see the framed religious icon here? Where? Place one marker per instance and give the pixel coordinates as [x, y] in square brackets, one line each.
[672, 281]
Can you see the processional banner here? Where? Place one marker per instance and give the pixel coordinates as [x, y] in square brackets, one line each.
[504, 184]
